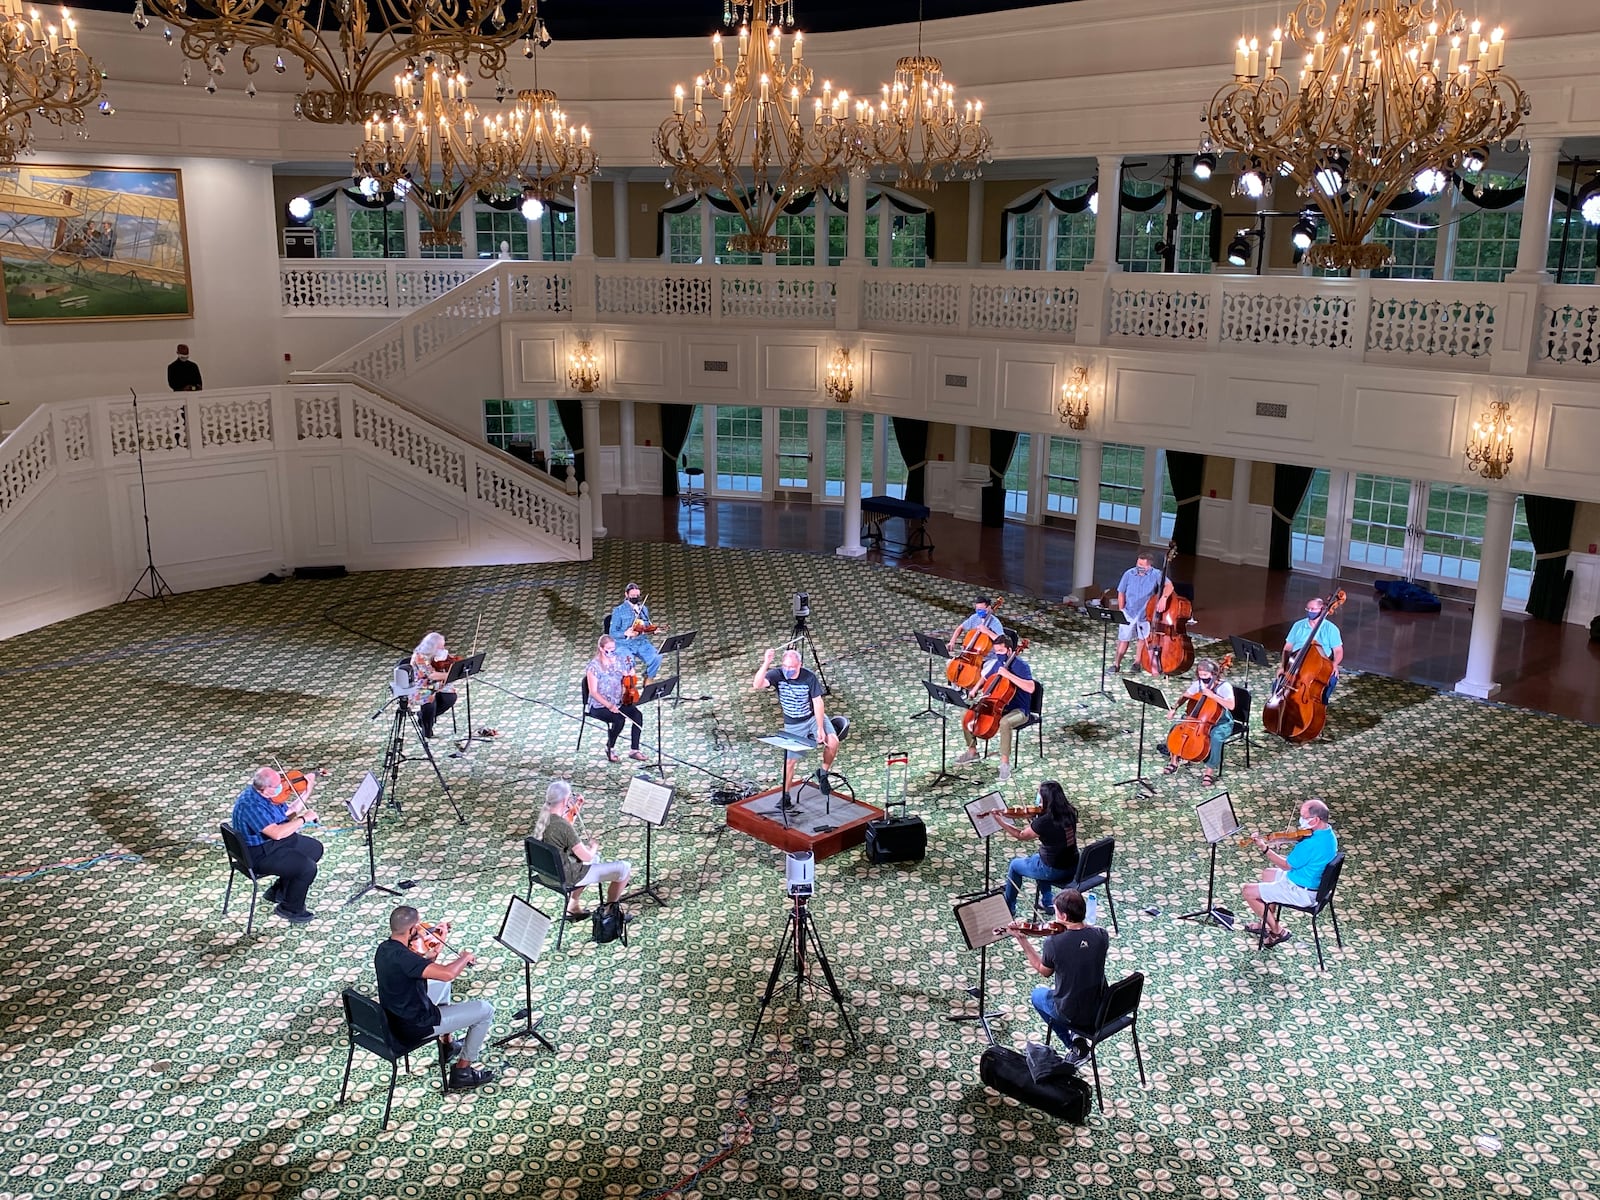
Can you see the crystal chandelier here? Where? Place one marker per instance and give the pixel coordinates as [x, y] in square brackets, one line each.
[346, 46]
[917, 130]
[1489, 449]
[1389, 89]
[756, 150]
[43, 73]
[840, 383]
[1074, 405]
[583, 367]
[535, 147]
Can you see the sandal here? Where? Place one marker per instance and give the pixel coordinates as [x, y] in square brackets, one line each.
[1207, 778]
[611, 756]
[581, 915]
[1170, 769]
[1254, 927]
[1276, 940]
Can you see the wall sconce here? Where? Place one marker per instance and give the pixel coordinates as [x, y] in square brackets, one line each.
[1074, 406]
[840, 384]
[1489, 449]
[583, 367]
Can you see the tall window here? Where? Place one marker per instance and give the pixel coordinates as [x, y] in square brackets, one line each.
[494, 227]
[908, 240]
[794, 447]
[378, 232]
[838, 238]
[1486, 245]
[800, 229]
[833, 457]
[1061, 476]
[1308, 535]
[507, 421]
[1027, 242]
[1121, 483]
[1452, 539]
[1413, 237]
[560, 444]
[558, 235]
[1074, 240]
[1140, 235]
[1519, 575]
[1016, 477]
[1379, 514]
[694, 451]
[1576, 262]
[683, 236]
[739, 448]
[325, 222]
[454, 249]
[723, 227]
[1169, 501]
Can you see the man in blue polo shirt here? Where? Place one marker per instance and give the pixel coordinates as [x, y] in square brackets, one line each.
[1138, 583]
[270, 831]
[1328, 638]
[1292, 878]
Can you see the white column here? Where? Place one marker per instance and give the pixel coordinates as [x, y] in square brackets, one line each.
[708, 234]
[1106, 223]
[855, 229]
[880, 457]
[819, 251]
[341, 224]
[975, 223]
[1088, 517]
[852, 547]
[583, 201]
[1533, 248]
[1444, 255]
[1494, 558]
[1239, 513]
[627, 485]
[620, 216]
[591, 454]
[885, 233]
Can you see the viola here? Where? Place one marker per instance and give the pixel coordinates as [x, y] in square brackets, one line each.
[430, 938]
[982, 720]
[1034, 928]
[966, 668]
[1024, 813]
[298, 783]
[631, 688]
[444, 662]
[1296, 711]
[1166, 649]
[1190, 738]
[1288, 835]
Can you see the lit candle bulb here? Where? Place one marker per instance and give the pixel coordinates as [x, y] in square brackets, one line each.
[1241, 59]
[1455, 56]
[1275, 50]
[716, 48]
[1253, 60]
[677, 100]
[1366, 41]
[699, 86]
[1430, 46]
[586, 135]
[977, 112]
[764, 83]
[1319, 53]
[795, 56]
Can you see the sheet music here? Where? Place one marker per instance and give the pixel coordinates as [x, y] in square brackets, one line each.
[981, 813]
[366, 796]
[648, 799]
[523, 930]
[980, 917]
[1217, 821]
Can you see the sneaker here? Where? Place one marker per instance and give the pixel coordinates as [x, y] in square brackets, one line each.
[295, 918]
[965, 757]
[1077, 1053]
[272, 894]
[1005, 772]
[464, 1079]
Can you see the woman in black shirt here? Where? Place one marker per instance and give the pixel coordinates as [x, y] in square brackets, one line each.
[1056, 831]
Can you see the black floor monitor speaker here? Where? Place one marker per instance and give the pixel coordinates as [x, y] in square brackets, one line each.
[896, 839]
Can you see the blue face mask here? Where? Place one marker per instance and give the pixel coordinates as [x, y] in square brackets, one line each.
[791, 672]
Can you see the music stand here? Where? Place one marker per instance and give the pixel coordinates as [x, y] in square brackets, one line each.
[934, 648]
[952, 698]
[522, 931]
[788, 743]
[1148, 697]
[1251, 652]
[363, 809]
[1218, 824]
[983, 919]
[675, 646]
[1107, 617]
[981, 812]
[463, 669]
[651, 802]
[654, 691]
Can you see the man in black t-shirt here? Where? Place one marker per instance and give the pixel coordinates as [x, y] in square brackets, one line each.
[1076, 958]
[800, 697]
[415, 991]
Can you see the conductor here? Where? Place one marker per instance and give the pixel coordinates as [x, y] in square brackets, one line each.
[800, 696]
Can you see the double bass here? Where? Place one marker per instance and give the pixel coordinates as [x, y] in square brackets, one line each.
[982, 720]
[1166, 649]
[1190, 738]
[966, 668]
[1297, 712]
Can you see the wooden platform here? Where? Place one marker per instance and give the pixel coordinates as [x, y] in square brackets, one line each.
[820, 824]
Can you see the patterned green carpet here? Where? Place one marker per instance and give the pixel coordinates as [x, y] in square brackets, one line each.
[147, 1045]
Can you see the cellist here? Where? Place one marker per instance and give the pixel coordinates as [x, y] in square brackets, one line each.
[1139, 582]
[981, 618]
[1017, 671]
[1207, 686]
[1328, 638]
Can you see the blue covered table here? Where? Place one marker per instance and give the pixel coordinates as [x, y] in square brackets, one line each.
[875, 510]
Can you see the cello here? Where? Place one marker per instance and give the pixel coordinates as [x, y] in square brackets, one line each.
[1166, 649]
[982, 720]
[1190, 738]
[966, 668]
[1297, 712]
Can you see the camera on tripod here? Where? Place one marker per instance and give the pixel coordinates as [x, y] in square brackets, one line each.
[800, 872]
[802, 604]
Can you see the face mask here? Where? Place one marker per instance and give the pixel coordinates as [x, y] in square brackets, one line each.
[982, 611]
[1312, 613]
[1305, 822]
[1142, 570]
[791, 672]
[1205, 681]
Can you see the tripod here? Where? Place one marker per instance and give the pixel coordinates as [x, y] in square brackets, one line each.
[395, 755]
[800, 640]
[149, 585]
[799, 929]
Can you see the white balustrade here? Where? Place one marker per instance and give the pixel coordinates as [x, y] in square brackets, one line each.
[1281, 311]
[362, 286]
[536, 289]
[236, 421]
[389, 430]
[157, 426]
[1567, 331]
[1426, 320]
[751, 295]
[912, 299]
[1028, 308]
[26, 462]
[1167, 307]
[643, 290]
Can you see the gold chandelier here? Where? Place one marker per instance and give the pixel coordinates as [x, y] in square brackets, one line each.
[1389, 89]
[346, 47]
[917, 130]
[43, 73]
[1489, 449]
[536, 147]
[757, 150]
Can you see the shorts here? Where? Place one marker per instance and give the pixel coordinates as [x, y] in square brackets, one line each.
[806, 730]
[1282, 891]
[604, 872]
[1135, 629]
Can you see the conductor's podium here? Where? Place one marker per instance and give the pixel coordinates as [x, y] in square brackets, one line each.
[821, 824]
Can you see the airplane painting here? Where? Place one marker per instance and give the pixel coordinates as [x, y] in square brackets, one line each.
[92, 244]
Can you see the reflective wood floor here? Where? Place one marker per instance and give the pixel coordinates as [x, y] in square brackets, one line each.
[1552, 668]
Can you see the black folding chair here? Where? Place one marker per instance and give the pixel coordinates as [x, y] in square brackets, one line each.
[1035, 714]
[1324, 900]
[368, 1027]
[545, 868]
[588, 714]
[1094, 870]
[1118, 1011]
[239, 864]
[1241, 724]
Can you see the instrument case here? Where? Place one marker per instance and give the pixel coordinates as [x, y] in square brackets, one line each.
[896, 838]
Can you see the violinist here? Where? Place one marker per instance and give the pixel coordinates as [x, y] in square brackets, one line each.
[431, 695]
[1139, 582]
[981, 618]
[1016, 713]
[800, 697]
[1056, 831]
[580, 857]
[1328, 638]
[1074, 960]
[414, 989]
[268, 820]
[606, 701]
[628, 620]
[1292, 878]
[1207, 686]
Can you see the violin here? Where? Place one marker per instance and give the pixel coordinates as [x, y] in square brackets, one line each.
[966, 668]
[1034, 928]
[1166, 649]
[1296, 711]
[298, 783]
[1190, 738]
[444, 662]
[982, 720]
[641, 622]
[1026, 812]
[430, 938]
[632, 690]
[1288, 835]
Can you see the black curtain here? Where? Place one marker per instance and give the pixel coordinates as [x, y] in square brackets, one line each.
[1550, 527]
[1002, 444]
[911, 435]
[1289, 486]
[571, 414]
[1186, 472]
[675, 422]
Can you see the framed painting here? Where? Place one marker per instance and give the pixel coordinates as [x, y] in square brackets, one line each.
[92, 244]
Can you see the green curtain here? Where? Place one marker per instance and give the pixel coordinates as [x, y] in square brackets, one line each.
[571, 414]
[911, 435]
[1002, 445]
[1550, 528]
[675, 422]
[1186, 472]
[1289, 486]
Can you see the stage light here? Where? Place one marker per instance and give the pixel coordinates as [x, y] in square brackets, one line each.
[1430, 181]
[1474, 159]
[299, 208]
[1239, 250]
[1330, 177]
[1252, 184]
[1303, 233]
[1589, 203]
[532, 208]
[1204, 163]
